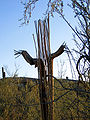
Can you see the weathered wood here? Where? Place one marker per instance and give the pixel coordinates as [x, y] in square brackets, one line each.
[46, 87]
[41, 73]
[42, 91]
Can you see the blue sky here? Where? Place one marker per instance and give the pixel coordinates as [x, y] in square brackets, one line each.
[20, 38]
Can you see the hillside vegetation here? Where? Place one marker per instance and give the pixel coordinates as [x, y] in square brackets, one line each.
[19, 100]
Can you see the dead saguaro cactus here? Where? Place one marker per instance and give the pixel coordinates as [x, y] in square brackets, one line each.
[3, 73]
[44, 62]
[45, 70]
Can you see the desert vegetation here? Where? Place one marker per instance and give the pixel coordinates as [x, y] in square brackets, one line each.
[19, 99]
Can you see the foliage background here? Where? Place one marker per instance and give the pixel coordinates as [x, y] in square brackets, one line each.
[19, 100]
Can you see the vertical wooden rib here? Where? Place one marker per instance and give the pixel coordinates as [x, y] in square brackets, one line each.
[49, 35]
[45, 40]
[50, 68]
[41, 33]
[35, 44]
[52, 84]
